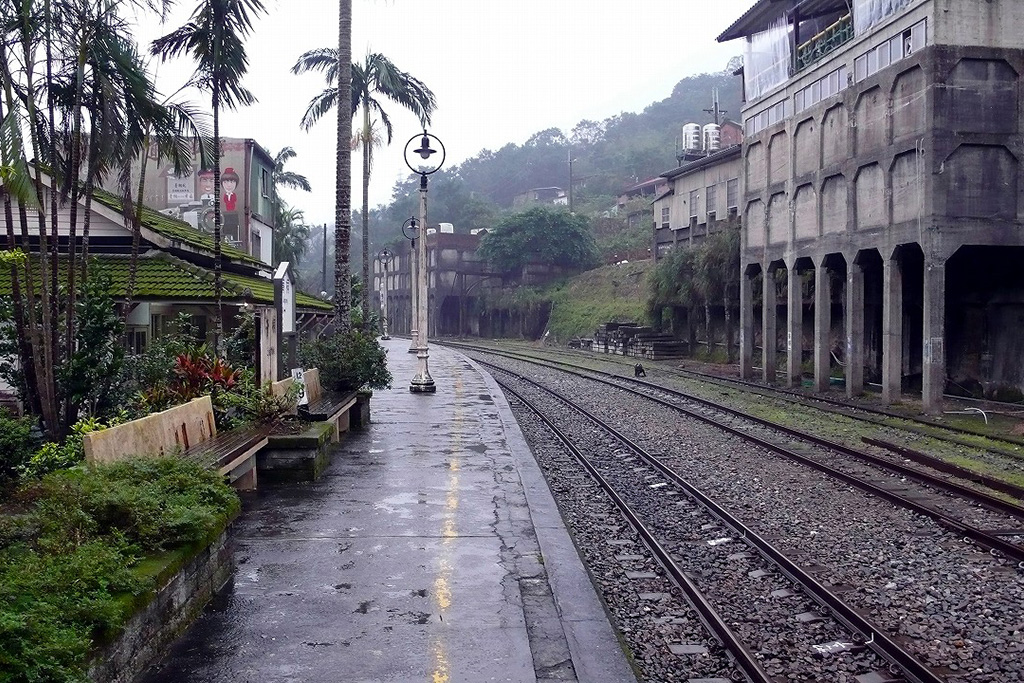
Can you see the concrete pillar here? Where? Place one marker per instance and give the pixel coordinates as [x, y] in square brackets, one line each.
[768, 315]
[822, 325]
[892, 330]
[746, 328]
[934, 355]
[854, 306]
[794, 328]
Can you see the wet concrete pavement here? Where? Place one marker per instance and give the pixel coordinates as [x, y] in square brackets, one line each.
[431, 550]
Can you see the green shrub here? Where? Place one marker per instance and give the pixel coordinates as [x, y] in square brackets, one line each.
[70, 558]
[54, 456]
[17, 444]
[348, 362]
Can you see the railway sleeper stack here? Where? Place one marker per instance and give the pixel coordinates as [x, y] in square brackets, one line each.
[630, 339]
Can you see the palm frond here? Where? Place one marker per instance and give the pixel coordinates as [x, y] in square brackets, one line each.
[318, 106]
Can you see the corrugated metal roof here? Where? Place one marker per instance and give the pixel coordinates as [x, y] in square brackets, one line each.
[758, 17]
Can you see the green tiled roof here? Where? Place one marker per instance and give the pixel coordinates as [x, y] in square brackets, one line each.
[174, 229]
[162, 277]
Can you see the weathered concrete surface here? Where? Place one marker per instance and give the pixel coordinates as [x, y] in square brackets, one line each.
[415, 558]
[161, 433]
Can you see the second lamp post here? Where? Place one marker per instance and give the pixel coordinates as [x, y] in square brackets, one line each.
[422, 383]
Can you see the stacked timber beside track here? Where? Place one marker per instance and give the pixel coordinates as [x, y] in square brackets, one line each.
[630, 339]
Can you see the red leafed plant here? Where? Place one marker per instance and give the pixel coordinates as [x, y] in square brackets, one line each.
[195, 373]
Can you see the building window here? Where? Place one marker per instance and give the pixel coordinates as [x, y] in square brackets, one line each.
[265, 182]
[665, 213]
[694, 198]
[825, 87]
[710, 199]
[732, 193]
[893, 50]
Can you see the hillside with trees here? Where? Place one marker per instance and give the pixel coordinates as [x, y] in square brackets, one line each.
[609, 156]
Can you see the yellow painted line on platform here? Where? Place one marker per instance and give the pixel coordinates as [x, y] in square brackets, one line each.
[443, 583]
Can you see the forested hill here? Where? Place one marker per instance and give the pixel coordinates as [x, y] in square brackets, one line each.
[609, 156]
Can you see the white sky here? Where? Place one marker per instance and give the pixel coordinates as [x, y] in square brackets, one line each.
[501, 71]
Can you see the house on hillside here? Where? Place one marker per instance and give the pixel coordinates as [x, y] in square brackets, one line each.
[247, 201]
[882, 156]
[541, 195]
[699, 197]
[647, 189]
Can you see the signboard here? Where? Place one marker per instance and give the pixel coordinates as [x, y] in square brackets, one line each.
[284, 285]
[299, 377]
[180, 190]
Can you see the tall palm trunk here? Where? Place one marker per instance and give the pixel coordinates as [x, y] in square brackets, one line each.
[343, 177]
[76, 160]
[136, 226]
[24, 352]
[90, 178]
[367, 149]
[42, 334]
[219, 322]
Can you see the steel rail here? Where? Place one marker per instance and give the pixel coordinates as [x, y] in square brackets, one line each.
[973, 495]
[874, 637]
[1009, 448]
[982, 538]
[744, 659]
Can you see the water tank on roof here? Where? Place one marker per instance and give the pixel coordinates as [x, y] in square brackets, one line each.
[691, 137]
[448, 228]
[712, 137]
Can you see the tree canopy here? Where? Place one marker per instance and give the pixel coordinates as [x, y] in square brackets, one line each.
[540, 235]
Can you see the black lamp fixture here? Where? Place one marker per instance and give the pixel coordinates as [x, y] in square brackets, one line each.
[410, 229]
[429, 145]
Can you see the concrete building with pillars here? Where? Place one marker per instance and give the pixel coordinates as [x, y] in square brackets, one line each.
[881, 193]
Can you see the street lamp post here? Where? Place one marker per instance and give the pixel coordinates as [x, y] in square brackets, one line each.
[385, 256]
[410, 229]
[422, 383]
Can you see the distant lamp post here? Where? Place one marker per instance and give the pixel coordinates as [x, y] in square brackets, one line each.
[429, 145]
[410, 229]
[386, 257]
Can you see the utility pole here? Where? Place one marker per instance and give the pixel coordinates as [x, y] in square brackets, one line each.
[570, 159]
[715, 111]
[323, 288]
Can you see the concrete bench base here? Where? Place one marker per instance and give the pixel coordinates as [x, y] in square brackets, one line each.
[296, 457]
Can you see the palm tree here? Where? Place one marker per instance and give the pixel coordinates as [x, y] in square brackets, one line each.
[214, 37]
[291, 235]
[375, 77]
[291, 179]
[343, 175]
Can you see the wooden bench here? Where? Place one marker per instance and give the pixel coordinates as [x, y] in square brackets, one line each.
[186, 431]
[325, 406]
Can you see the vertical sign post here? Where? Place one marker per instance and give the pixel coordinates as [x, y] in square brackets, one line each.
[284, 302]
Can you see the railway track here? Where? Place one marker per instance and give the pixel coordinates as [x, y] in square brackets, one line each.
[1008, 447]
[694, 539]
[872, 473]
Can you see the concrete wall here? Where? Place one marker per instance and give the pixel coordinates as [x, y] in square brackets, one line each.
[172, 609]
[162, 433]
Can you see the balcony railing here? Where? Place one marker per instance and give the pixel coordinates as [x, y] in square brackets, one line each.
[825, 42]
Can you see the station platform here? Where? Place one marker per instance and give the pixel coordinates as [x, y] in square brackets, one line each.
[431, 551]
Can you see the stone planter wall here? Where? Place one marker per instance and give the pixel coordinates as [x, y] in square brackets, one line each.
[169, 612]
[296, 457]
[359, 416]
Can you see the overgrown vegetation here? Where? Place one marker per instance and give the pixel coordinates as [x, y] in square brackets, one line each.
[347, 361]
[71, 551]
[608, 293]
[553, 237]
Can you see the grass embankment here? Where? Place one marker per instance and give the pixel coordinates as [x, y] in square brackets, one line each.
[609, 293]
[81, 550]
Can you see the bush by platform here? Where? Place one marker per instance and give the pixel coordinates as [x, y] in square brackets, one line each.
[82, 549]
